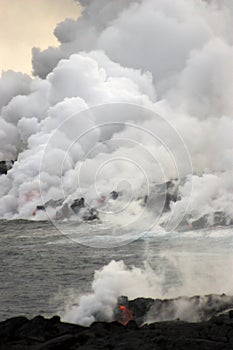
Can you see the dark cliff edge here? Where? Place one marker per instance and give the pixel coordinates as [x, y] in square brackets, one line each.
[40, 333]
[50, 334]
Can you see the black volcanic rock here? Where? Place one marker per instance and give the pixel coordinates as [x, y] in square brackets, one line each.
[5, 165]
[191, 309]
[19, 333]
[9, 327]
[213, 331]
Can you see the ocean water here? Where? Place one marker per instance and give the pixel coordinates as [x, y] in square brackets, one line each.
[41, 269]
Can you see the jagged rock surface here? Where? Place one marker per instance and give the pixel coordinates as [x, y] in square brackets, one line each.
[19, 333]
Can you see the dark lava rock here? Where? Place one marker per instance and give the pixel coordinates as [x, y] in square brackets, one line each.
[77, 205]
[139, 308]
[130, 330]
[91, 214]
[114, 195]
[171, 194]
[39, 333]
[5, 165]
[191, 309]
[9, 327]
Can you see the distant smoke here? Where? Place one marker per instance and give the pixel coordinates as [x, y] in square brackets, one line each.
[173, 58]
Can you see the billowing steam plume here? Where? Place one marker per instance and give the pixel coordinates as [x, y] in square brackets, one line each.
[115, 280]
[173, 58]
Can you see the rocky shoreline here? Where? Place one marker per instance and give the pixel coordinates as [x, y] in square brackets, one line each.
[214, 330]
[52, 334]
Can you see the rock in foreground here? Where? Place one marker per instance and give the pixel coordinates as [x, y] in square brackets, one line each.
[40, 334]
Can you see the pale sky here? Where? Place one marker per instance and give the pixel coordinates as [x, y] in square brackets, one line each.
[29, 23]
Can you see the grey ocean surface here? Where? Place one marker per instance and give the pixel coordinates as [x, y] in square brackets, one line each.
[40, 266]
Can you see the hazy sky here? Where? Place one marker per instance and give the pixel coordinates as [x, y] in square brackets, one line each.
[28, 23]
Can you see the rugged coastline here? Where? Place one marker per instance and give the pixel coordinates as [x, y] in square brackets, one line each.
[50, 334]
[40, 333]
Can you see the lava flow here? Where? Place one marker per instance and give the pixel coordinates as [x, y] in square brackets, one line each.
[125, 315]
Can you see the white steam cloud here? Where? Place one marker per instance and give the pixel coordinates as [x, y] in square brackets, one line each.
[173, 58]
[116, 279]
[112, 281]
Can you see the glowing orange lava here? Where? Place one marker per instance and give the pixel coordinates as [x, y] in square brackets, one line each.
[126, 315]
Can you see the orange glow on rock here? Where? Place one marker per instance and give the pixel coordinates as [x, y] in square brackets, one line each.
[126, 315]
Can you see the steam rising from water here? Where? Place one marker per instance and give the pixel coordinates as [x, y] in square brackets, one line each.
[116, 279]
[111, 282]
[171, 58]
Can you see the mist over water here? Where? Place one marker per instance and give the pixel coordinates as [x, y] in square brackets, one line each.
[43, 272]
